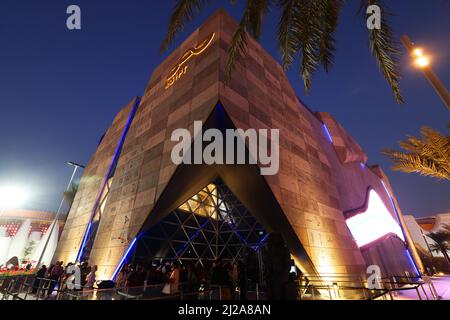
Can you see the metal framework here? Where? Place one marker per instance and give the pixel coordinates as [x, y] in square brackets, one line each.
[211, 224]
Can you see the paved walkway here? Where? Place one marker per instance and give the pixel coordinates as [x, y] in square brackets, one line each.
[441, 284]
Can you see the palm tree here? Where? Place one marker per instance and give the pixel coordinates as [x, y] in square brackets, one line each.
[306, 28]
[69, 195]
[428, 156]
[447, 228]
[441, 239]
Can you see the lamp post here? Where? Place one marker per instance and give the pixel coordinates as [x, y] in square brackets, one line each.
[423, 63]
[75, 168]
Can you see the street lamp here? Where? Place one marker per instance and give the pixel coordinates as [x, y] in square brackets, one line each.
[75, 168]
[423, 62]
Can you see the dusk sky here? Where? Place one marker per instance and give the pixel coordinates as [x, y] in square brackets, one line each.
[60, 89]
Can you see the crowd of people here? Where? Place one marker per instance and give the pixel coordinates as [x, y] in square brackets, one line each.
[187, 278]
[170, 278]
[46, 279]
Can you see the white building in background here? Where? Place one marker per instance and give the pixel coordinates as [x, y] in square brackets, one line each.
[23, 234]
[420, 227]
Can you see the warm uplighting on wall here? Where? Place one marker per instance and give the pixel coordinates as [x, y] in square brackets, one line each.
[374, 223]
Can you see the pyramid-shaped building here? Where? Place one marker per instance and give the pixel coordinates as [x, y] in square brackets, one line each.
[336, 214]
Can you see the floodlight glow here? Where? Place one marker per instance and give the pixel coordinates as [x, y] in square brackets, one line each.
[418, 52]
[422, 62]
[12, 197]
[374, 223]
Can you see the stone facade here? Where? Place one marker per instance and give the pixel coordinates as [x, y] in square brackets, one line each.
[317, 182]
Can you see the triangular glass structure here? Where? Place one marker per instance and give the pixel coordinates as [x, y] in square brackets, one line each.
[211, 224]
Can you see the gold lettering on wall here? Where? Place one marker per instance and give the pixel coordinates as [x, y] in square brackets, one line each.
[180, 69]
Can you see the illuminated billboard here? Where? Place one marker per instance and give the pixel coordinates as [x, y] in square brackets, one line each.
[373, 224]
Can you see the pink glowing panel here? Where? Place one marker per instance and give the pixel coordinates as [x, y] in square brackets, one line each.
[373, 224]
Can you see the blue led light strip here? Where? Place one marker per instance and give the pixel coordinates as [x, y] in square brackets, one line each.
[124, 258]
[107, 176]
[327, 133]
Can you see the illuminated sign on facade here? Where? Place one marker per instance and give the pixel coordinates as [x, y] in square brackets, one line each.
[180, 69]
[374, 223]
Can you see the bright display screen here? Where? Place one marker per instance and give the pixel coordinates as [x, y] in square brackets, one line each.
[374, 223]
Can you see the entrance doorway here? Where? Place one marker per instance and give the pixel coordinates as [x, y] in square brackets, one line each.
[212, 224]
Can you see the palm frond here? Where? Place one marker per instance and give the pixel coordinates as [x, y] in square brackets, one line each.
[385, 50]
[251, 21]
[308, 27]
[183, 13]
[440, 237]
[428, 156]
[69, 195]
[330, 10]
[287, 42]
[308, 33]
[447, 228]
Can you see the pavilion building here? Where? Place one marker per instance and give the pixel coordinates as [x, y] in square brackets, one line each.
[336, 214]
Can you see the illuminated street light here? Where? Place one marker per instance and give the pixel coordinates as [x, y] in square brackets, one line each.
[418, 52]
[12, 196]
[423, 62]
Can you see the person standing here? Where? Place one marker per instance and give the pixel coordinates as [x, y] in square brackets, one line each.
[84, 271]
[137, 278]
[173, 281]
[38, 278]
[90, 279]
[234, 274]
[225, 281]
[122, 278]
[174, 278]
[242, 280]
[193, 284]
[55, 275]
